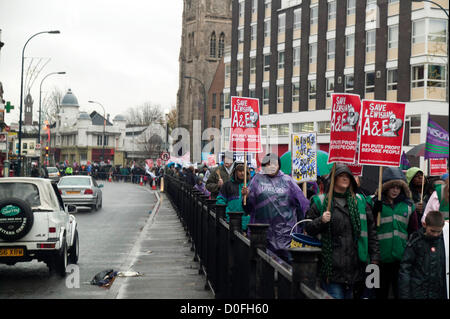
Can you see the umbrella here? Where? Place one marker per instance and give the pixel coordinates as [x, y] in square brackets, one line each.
[416, 151]
[404, 163]
[286, 163]
[322, 167]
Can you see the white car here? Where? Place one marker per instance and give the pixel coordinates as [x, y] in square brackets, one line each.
[35, 224]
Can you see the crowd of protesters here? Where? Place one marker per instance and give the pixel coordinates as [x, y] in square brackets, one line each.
[400, 231]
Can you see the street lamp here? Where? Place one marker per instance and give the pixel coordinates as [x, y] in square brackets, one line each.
[21, 99]
[40, 102]
[448, 26]
[166, 113]
[104, 127]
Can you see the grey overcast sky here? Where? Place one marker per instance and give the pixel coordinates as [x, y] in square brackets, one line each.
[119, 53]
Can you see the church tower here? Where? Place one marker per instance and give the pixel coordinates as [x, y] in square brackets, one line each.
[206, 31]
[28, 110]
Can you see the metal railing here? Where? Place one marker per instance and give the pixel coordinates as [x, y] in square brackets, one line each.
[235, 266]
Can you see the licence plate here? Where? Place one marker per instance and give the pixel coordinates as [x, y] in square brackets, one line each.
[11, 252]
[72, 192]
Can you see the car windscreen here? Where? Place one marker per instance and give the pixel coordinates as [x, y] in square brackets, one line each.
[52, 170]
[75, 181]
[25, 191]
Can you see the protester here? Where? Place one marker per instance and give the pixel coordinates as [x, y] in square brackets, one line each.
[190, 177]
[438, 200]
[220, 176]
[200, 186]
[414, 177]
[230, 193]
[422, 269]
[273, 198]
[397, 221]
[69, 170]
[348, 235]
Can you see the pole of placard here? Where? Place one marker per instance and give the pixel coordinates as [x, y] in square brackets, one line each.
[304, 189]
[380, 185]
[245, 176]
[330, 191]
[421, 193]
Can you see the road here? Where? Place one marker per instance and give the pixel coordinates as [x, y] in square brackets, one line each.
[107, 239]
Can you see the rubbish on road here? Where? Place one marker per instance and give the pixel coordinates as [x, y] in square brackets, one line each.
[104, 278]
[129, 274]
[149, 252]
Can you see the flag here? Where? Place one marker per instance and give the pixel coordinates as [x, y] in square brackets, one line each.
[404, 163]
[436, 145]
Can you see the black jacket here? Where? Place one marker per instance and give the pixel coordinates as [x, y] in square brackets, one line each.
[422, 269]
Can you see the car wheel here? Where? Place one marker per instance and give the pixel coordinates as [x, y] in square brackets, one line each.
[101, 203]
[74, 250]
[61, 260]
[17, 227]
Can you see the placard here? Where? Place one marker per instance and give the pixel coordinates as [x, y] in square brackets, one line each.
[381, 138]
[245, 132]
[438, 166]
[345, 119]
[304, 157]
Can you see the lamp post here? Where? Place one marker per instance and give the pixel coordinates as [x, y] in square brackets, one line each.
[40, 102]
[448, 26]
[19, 162]
[104, 127]
[166, 113]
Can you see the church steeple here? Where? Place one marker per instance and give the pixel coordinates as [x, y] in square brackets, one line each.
[28, 110]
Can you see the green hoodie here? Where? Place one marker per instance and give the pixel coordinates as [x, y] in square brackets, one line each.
[410, 173]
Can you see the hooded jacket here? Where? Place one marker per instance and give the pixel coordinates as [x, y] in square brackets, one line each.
[213, 180]
[415, 194]
[275, 201]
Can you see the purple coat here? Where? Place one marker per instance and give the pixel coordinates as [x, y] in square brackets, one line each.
[202, 188]
[275, 201]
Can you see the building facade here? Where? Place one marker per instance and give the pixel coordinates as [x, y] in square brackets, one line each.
[292, 54]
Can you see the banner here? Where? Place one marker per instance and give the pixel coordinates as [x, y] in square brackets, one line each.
[381, 138]
[304, 157]
[211, 160]
[436, 145]
[149, 163]
[438, 166]
[345, 114]
[180, 160]
[245, 132]
[355, 169]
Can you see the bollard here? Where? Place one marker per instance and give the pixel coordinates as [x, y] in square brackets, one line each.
[220, 211]
[258, 240]
[235, 221]
[304, 267]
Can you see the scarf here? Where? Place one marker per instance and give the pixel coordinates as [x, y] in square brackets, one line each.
[327, 248]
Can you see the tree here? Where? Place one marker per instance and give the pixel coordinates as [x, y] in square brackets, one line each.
[51, 104]
[145, 114]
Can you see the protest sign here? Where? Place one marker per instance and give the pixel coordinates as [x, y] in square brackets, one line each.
[381, 138]
[345, 114]
[438, 166]
[436, 145]
[245, 133]
[304, 157]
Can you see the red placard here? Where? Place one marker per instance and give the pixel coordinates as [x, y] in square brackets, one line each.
[438, 166]
[381, 137]
[345, 114]
[245, 133]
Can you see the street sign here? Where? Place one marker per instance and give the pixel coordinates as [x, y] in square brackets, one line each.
[38, 146]
[165, 156]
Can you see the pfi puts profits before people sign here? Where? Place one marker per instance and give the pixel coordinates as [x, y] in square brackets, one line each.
[381, 139]
[245, 133]
[345, 114]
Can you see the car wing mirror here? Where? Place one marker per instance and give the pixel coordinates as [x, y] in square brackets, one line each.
[100, 186]
[71, 209]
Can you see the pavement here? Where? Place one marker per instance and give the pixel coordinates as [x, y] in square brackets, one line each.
[163, 255]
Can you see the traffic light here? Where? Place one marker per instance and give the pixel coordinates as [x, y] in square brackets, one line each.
[46, 152]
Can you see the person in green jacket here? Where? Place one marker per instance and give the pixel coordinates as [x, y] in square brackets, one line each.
[414, 177]
[396, 220]
[69, 170]
[230, 193]
[220, 175]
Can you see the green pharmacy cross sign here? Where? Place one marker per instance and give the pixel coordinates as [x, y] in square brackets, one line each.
[9, 107]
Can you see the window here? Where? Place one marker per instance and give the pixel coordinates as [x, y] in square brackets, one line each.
[351, 7]
[212, 45]
[371, 4]
[25, 146]
[241, 35]
[370, 82]
[221, 102]
[266, 96]
[99, 140]
[241, 9]
[31, 146]
[313, 53]
[266, 28]
[280, 94]
[330, 86]
[26, 191]
[253, 32]
[418, 31]
[240, 62]
[349, 83]
[350, 45]
[370, 41]
[324, 127]
[314, 15]
[227, 71]
[106, 140]
[331, 47]
[437, 30]
[414, 129]
[221, 45]
[332, 10]
[297, 19]
[392, 79]
[227, 101]
[393, 36]
[267, 4]
[302, 127]
[213, 121]
[252, 65]
[214, 100]
[252, 93]
[254, 6]
[393, 1]
[279, 129]
[436, 76]
[296, 56]
[418, 76]
[282, 23]
[295, 91]
[267, 63]
[281, 60]
[312, 89]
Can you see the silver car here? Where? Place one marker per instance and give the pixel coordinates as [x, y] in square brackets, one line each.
[81, 191]
[53, 173]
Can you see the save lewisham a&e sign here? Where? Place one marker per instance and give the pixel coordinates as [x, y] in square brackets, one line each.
[245, 132]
